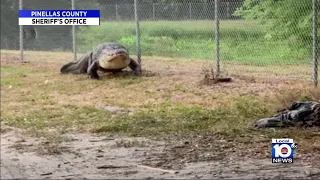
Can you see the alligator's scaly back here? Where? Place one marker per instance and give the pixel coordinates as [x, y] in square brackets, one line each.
[77, 67]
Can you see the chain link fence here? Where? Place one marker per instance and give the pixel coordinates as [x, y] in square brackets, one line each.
[168, 11]
[279, 38]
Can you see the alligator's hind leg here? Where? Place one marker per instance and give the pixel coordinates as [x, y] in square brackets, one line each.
[93, 70]
[135, 67]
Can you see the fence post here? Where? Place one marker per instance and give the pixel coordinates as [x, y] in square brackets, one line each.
[315, 42]
[137, 31]
[217, 37]
[228, 10]
[190, 13]
[74, 35]
[21, 34]
[153, 12]
[117, 13]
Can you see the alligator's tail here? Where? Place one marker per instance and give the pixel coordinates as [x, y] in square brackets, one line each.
[71, 67]
[76, 67]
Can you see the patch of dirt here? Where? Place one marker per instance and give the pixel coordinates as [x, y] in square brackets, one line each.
[106, 156]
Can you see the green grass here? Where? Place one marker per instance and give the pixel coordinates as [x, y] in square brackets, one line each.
[30, 104]
[36, 110]
[14, 75]
[173, 118]
[241, 41]
[166, 118]
[163, 106]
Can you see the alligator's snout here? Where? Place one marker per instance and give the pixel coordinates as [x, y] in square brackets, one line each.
[114, 59]
[117, 54]
[111, 53]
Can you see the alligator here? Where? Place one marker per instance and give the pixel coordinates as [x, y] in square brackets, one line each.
[300, 113]
[106, 57]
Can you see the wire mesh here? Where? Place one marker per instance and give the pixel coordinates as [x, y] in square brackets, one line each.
[117, 24]
[33, 38]
[10, 31]
[273, 38]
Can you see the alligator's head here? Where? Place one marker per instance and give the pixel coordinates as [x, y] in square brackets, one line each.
[114, 56]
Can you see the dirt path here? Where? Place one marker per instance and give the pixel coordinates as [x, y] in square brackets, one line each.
[99, 157]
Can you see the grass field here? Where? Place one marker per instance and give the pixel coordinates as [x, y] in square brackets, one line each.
[169, 105]
[168, 99]
[241, 41]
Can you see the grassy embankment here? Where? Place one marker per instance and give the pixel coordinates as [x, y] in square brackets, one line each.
[241, 41]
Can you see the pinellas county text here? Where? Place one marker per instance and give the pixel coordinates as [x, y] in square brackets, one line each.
[59, 13]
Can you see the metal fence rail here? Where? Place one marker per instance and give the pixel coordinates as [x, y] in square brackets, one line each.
[222, 32]
[315, 47]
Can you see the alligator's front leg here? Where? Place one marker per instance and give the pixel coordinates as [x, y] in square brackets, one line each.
[135, 67]
[93, 70]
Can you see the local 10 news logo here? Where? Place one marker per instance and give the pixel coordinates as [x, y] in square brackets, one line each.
[283, 150]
